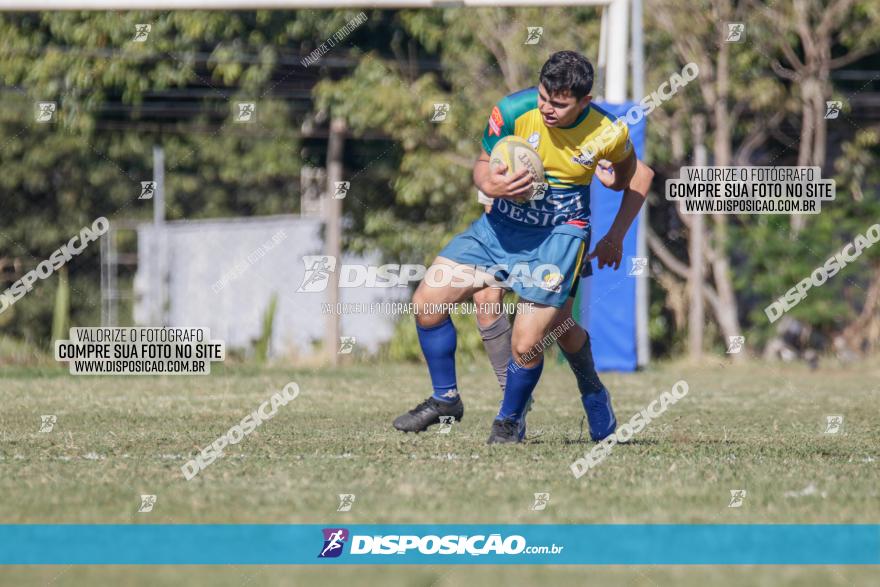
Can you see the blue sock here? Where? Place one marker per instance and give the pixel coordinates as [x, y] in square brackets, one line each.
[521, 382]
[438, 345]
[584, 369]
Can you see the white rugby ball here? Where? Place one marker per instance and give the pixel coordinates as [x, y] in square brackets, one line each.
[518, 154]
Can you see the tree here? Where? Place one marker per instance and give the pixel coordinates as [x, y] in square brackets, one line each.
[115, 99]
[724, 104]
[813, 38]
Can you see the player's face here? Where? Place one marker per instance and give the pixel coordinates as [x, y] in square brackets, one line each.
[560, 109]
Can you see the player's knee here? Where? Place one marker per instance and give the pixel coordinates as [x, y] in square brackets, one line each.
[488, 307]
[427, 310]
[426, 296]
[420, 297]
[489, 295]
[430, 320]
[525, 349]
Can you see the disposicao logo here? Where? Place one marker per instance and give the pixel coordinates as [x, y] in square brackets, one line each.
[334, 539]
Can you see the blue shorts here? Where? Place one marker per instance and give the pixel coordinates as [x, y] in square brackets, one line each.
[542, 265]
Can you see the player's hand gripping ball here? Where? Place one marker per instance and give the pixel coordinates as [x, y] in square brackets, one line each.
[516, 154]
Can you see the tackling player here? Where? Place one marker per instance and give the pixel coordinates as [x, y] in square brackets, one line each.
[572, 137]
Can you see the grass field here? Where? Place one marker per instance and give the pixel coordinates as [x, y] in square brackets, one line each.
[756, 427]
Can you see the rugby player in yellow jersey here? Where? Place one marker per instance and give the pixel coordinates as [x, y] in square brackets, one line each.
[537, 247]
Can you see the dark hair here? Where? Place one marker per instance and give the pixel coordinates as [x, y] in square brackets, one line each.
[567, 71]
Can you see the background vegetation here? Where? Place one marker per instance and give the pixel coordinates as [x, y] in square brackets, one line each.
[757, 100]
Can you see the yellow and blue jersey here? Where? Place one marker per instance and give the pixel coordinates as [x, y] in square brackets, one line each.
[569, 155]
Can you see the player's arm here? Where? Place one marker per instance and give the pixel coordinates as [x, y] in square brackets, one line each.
[492, 182]
[616, 176]
[495, 184]
[609, 250]
[617, 163]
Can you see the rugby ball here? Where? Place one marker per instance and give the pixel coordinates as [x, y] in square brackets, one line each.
[518, 154]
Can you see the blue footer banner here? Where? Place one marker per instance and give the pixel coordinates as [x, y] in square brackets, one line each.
[275, 544]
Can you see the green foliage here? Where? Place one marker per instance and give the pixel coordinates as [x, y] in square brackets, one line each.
[261, 348]
[770, 260]
[404, 344]
[90, 161]
[766, 259]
